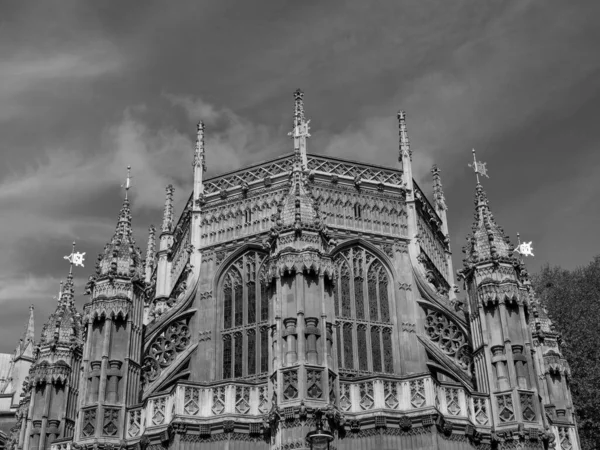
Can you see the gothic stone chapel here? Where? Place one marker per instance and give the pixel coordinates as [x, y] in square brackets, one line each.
[305, 302]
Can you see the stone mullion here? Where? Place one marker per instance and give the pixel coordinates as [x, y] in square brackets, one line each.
[368, 345]
[367, 308]
[244, 318]
[378, 294]
[258, 316]
[352, 318]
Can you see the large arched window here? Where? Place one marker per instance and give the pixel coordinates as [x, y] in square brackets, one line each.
[362, 296]
[245, 313]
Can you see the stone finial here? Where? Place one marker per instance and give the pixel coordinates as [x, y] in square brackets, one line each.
[167, 224]
[199, 153]
[298, 107]
[405, 150]
[151, 249]
[438, 191]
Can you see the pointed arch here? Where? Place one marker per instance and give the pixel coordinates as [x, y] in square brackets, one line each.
[363, 297]
[243, 310]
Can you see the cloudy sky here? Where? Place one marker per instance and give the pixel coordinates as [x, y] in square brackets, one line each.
[87, 88]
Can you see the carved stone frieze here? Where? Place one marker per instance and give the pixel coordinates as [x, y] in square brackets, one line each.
[113, 307]
[298, 262]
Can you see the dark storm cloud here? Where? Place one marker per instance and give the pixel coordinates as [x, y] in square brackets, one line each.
[88, 88]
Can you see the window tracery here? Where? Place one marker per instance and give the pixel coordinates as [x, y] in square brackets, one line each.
[362, 310]
[246, 292]
[165, 347]
[448, 336]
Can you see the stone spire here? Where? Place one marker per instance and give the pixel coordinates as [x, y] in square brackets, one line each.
[150, 252]
[441, 208]
[64, 326]
[488, 241]
[438, 191]
[167, 224]
[405, 156]
[298, 107]
[404, 142]
[28, 335]
[199, 165]
[120, 256]
[301, 129]
[199, 154]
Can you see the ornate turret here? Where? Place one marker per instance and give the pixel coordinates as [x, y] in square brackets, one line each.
[54, 377]
[298, 211]
[121, 258]
[111, 370]
[498, 302]
[488, 241]
[64, 326]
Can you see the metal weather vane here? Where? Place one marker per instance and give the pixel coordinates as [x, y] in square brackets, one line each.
[478, 167]
[301, 130]
[127, 183]
[524, 248]
[75, 258]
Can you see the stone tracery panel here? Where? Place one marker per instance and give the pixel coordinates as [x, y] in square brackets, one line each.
[449, 338]
[245, 293]
[361, 296]
[165, 347]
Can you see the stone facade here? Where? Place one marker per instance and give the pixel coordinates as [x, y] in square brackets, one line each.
[305, 284]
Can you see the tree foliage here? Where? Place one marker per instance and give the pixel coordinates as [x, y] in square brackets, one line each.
[573, 302]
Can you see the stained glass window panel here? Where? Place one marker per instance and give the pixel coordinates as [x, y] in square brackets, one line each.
[264, 350]
[359, 302]
[363, 361]
[238, 355]
[348, 353]
[227, 356]
[251, 352]
[251, 303]
[264, 301]
[388, 357]
[239, 305]
[227, 306]
[376, 349]
[383, 295]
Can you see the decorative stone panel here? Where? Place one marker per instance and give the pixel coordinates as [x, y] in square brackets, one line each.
[527, 406]
[88, 425]
[134, 423]
[417, 393]
[449, 338]
[110, 422]
[191, 401]
[314, 382]
[165, 347]
[506, 409]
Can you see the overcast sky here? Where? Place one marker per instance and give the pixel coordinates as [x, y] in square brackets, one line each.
[87, 88]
